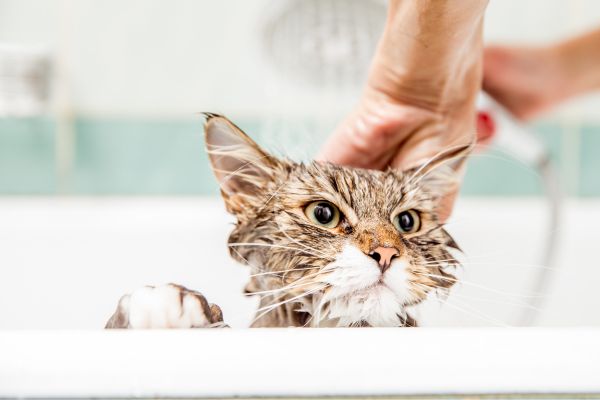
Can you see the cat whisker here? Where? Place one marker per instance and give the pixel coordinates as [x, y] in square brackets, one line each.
[282, 271]
[440, 263]
[442, 178]
[495, 263]
[266, 309]
[275, 193]
[513, 265]
[522, 165]
[258, 267]
[296, 282]
[278, 246]
[300, 243]
[488, 257]
[313, 277]
[478, 315]
[462, 281]
[439, 260]
[286, 288]
[262, 267]
[428, 162]
[492, 301]
[321, 312]
[479, 299]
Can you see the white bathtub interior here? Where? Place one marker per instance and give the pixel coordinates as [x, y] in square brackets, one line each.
[65, 262]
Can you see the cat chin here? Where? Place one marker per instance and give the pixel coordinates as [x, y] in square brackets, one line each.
[359, 294]
[377, 306]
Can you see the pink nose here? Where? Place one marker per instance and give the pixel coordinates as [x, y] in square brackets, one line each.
[384, 256]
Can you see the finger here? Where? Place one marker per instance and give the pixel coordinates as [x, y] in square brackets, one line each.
[370, 137]
[359, 142]
[346, 147]
[417, 150]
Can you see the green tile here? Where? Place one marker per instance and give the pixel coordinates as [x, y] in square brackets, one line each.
[164, 157]
[120, 156]
[497, 173]
[296, 139]
[551, 135]
[589, 174]
[490, 173]
[27, 156]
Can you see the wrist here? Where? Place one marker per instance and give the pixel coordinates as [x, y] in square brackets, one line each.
[574, 62]
[441, 89]
[436, 67]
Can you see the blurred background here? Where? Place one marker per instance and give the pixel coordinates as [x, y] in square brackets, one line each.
[104, 184]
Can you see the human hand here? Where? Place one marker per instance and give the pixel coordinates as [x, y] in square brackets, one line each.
[525, 80]
[421, 90]
[384, 132]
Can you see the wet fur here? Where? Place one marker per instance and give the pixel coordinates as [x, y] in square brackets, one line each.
[293, 261]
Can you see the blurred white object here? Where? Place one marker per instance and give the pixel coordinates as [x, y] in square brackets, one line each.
[323, 42]
[514, 138]
[319, 51]
[24, 81]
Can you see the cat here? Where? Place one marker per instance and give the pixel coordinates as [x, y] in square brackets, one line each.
[327, 245]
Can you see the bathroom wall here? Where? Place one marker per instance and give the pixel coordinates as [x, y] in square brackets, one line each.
[129, 77]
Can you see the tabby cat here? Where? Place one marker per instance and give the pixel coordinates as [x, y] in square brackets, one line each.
[327, 246]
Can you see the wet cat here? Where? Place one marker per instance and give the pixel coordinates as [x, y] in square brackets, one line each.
[326, 245]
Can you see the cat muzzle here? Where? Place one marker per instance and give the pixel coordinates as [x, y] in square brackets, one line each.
[384, 256]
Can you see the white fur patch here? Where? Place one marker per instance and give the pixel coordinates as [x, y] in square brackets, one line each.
[163, 307]
[360, 292]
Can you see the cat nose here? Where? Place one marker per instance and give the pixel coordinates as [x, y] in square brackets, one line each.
[384, 256]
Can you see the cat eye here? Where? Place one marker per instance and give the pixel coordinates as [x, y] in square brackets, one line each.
[323, 213]
[407, 221]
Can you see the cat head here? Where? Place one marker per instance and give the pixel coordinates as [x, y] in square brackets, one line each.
[344, 246]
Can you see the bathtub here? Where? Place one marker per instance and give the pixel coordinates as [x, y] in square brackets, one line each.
[66, 261]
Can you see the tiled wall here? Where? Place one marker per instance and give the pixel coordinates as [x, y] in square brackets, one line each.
[162, 58]
[166, 157]
[590, 161]
[27, 156]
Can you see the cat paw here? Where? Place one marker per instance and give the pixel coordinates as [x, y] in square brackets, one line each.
[164, 307]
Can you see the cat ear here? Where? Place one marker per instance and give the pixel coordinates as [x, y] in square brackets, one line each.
[242, 168]
[442, 173]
